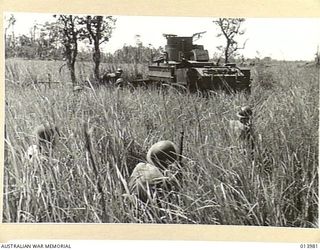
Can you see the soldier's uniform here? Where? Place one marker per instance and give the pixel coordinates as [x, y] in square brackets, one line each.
[113, 78]
[250, 144]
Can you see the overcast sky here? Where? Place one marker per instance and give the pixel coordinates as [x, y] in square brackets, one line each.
[279, 38]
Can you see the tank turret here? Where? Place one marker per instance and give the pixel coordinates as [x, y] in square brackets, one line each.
[179, 48]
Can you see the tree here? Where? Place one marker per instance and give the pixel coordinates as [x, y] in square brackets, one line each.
[231, 30]
[49, 41]
[70, 35]
[10, 22]
[10, 40]
[98, 30]
[25, 48]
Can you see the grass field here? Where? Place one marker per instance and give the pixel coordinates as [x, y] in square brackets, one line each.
[220, 185]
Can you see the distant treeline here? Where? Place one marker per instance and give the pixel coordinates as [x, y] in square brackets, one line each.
[45, 46]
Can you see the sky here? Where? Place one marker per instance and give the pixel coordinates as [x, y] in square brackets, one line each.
[279, 38]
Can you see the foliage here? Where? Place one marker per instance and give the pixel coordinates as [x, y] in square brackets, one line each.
[10, 40]
[137, 54]
[317, 58]
[60, 40]
[231, 30]
[98, 30]
[45, 42]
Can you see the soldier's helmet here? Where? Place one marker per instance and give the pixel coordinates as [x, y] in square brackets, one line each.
[119, 82]
[245, 112]
[119, 71]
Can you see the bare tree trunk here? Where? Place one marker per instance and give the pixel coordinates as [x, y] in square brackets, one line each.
[74, 53]
[70, 42]
[71, 59]
[73, 73]
[96, 59]
[226, 52]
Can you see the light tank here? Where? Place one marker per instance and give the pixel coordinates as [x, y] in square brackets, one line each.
[185, 64]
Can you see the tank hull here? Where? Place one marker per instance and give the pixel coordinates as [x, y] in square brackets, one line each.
[195, 76]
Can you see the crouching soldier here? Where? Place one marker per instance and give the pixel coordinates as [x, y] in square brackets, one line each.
[114, 78]
[251, 143]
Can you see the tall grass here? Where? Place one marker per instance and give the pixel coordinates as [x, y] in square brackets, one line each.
[220, 186]
[28, 72]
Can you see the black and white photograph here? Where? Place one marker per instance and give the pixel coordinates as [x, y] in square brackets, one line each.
[161, 120]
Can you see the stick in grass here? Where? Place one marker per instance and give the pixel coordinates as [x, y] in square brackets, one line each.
[88, 145]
